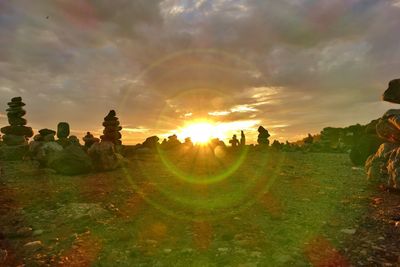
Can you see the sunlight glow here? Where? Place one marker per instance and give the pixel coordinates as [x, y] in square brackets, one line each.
[199, 132]
[202, 131]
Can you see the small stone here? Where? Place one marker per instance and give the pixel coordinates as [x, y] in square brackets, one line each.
[223, 249]
[33, 245]
[44, 132]
[167, 250]
[24, 232]
[348, 231]
[37, 232]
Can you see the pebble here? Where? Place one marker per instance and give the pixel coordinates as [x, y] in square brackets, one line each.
[37, 232]
[167, 250]
[223, 249]
[24, 231]
[34, 244]
[348, 231]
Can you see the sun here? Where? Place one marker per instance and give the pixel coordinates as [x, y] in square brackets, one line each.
[199, 132]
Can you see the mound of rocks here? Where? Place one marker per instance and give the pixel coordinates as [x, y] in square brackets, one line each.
[71, 160]
[89, 140]
[384, 165]
[104, 154]
[112, 129]
[16, 135]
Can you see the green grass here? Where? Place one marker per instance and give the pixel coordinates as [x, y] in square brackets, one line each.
[266, 213]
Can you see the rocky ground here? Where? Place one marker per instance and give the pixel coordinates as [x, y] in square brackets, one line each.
[259, 209]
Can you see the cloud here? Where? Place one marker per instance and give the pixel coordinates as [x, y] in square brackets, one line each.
[303, 64]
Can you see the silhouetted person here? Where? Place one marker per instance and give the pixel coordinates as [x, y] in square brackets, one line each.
[242, 139]
[234, 141]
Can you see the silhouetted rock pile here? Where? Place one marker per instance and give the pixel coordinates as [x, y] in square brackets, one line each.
[385, 163]
[112, 129]
[263, 136]
[234, 141]
[89, 140]
[104, 154]
[63, 133]
[16, 135]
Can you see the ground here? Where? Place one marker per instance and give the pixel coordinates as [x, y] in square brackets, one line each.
[250, 209]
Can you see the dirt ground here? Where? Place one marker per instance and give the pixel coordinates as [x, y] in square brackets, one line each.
[255, 209]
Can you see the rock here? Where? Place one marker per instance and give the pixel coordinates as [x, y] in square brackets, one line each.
[16, 99]
[111, 131]
[392, 93]
[24, 232]
[64, 142]
[393, 169]
[13, 140]
[43, 152]
[37, 232]
[15, 152]
[103, 156]
[89, 140]
[364, 147]
[13, 121]
[48, 138]
[18, 130]
[73, 140]
[348, 231]
[263, 136]
[150, 142]
[44, 132]
[79, 210]
[72, 160]
[388, 131]
[62, 130]
[34, 245]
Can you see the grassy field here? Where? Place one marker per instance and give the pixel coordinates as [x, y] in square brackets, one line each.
[243, 209]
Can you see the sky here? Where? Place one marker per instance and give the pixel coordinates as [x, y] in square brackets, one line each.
[293, 66]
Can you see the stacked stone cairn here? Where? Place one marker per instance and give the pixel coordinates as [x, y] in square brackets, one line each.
[112, 129]
[104, 154]
[16, 135]
[263, 136]
[384, 165]
[89, 140]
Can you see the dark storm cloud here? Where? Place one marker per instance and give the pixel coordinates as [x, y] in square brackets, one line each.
[155, 61]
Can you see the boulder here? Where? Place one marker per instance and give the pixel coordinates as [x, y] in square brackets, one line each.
[44, 151]
[375, 165]
[13, 140]
[103, 156]
[62, 130]
[11, 153]
[392, 93]
[393, 169]
[73, 140]
[364, 147]
[150, 142]
[44, 132]
[18, 130]
[72, 160]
